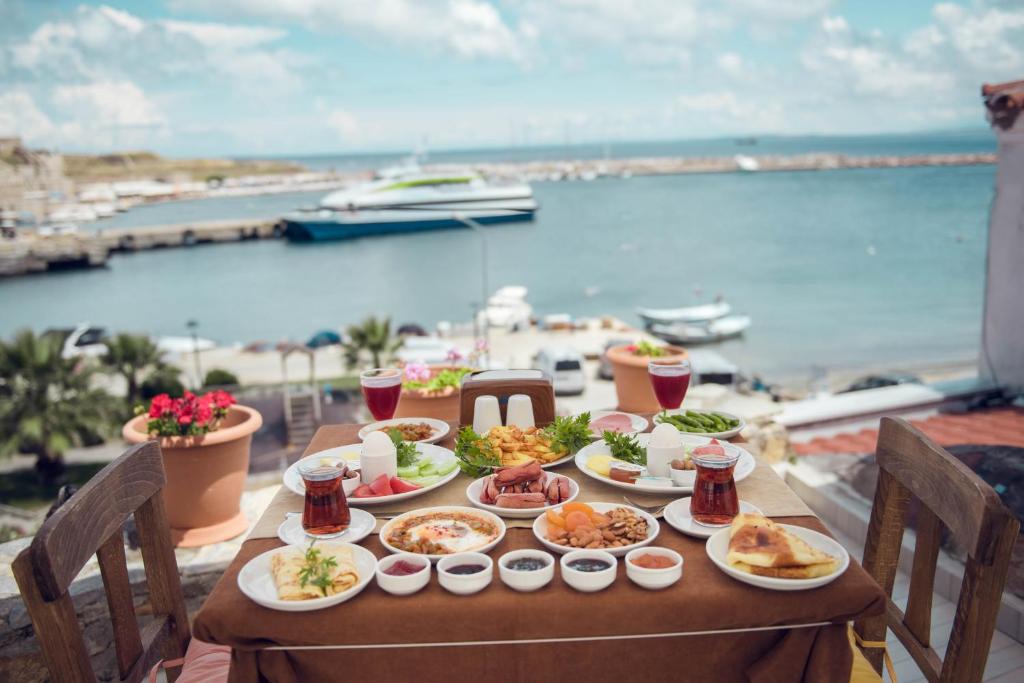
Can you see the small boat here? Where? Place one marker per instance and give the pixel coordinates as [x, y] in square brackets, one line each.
[746, 163]
[508, 308]
[688, 314]
[184, 344]
[702, 333]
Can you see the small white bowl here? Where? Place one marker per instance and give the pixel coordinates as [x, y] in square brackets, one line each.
[654, 579]
[526, 581]
[589, 582]
[403, 585]
[464, 584]
[684, 478]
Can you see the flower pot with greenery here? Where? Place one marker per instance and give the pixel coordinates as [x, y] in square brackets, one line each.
[205, 442]
[431, 391]
[629, 369]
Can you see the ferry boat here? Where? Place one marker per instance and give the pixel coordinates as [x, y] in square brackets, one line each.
[408, 199]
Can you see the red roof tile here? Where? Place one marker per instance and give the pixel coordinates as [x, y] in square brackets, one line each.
[996, 426]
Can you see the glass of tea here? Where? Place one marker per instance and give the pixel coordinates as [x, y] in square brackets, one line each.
[381, 389]
[325, 513]
[714, 501]
[670, 380]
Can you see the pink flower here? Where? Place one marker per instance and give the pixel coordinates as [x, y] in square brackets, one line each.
[417, 371]
[481, 345]
[454, 356]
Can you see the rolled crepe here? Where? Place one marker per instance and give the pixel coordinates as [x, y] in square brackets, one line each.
[757, 545]
[286, 565]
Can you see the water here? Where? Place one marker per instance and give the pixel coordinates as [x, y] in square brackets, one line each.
[836, 268]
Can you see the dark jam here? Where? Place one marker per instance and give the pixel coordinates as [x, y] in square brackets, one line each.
[588, 565]
[403, 568]
[465, 569]
[526, 564]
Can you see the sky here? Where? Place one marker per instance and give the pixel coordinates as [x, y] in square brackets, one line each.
[280, 77]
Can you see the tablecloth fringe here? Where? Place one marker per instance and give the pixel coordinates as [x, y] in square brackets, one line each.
[536, 641]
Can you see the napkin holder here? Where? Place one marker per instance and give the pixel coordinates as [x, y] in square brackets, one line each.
[504, 383]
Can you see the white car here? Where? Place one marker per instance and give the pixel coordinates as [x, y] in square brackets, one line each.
[565, 366]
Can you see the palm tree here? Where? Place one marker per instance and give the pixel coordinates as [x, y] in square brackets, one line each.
[132, 356]
[47, 403]
[373, 336]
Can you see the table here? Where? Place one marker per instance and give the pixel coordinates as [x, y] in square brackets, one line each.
[706, 627]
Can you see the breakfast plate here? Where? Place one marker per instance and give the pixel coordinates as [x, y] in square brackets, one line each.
[256, 581]
[540, 530]
[637, 423]
[474, 490]
[441, 457]
[718, 547]
[360, 526]
[744, 466]
[725, 434]
[677, 514]
[456, 528]
[439, 428]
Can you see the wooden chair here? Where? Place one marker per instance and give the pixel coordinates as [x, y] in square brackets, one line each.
[951, 496]
[90, 523]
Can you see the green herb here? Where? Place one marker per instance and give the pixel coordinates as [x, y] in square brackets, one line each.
[626, 448]
[439, 382]
[475, 455]
[405, 451]
[569, 434]
[316, 570]
[646, 348]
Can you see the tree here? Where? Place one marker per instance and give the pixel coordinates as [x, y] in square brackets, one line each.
[220, 378]
[48, 403]
[132, 356]
[372, 336]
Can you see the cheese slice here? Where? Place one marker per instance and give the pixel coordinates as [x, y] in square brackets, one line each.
[758, 545]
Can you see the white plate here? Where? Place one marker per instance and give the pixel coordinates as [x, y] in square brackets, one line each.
[640, 423]
[718, 545]
[474, 489]
[257, 582]
[293, 480]
[677, 514]
[727, 434]
[440, 427]
[744, 466]
[489, 516]
[360, 526]
[540, 528]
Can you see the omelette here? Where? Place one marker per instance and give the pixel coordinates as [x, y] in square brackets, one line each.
[759, 546]
[286, 565]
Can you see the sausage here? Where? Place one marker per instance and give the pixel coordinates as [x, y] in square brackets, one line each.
[563, 489]
[521, 500]
[551, 492]
[490, 492]
[507, 476]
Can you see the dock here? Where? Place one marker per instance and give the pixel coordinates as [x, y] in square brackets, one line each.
[34, 252]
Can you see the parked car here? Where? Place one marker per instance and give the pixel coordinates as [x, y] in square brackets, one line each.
[604, 368]
[565, 366]
[878, 381]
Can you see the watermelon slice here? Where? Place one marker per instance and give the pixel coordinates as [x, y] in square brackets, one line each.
[399, 486]
[710, 449]
[381, 486]
[363, 491]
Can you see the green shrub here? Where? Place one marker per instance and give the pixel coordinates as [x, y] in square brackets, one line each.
[220, 378]
[163, 381]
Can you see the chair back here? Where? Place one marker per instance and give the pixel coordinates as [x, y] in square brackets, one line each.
[951, 496]
[91, 523]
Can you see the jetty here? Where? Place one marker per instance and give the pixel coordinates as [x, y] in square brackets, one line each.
[33, 251]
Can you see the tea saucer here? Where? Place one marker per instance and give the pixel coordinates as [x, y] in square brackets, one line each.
[359, 527]
[677, 514]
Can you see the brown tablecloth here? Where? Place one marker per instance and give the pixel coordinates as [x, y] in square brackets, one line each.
[706, 627]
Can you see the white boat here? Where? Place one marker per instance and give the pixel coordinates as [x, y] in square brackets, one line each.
[184, 344]
[84, 340]
[508, 308]
[702, 333]
[409, 199]
[746, 163]
[688, 314]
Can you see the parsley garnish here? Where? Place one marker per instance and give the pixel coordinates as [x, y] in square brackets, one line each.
[626, 448]
[405, 451]
[316, 570]
[569, 434]
[476, 457]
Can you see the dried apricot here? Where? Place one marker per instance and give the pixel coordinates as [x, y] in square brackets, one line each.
[598, 518]
[577, 507]
[555, 518]
[577, 519]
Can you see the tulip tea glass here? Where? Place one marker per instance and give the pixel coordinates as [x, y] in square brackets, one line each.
[670, 380]
[325, 513]
[381, 389]
[714, 501]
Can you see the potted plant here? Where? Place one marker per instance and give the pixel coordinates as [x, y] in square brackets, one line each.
[629, 369]
[431, 391]
[205, 442]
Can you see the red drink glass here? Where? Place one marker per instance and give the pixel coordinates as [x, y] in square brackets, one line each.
[325, 513]
[381, 389]
[714, 501]
[670, 380]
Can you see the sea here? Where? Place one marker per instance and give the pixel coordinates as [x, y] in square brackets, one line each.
[838, 269]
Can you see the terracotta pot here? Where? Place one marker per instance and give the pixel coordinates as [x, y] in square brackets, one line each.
[205, 477]
[632, 385]
[443, 405]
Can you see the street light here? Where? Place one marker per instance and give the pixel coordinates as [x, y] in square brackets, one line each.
[484, 289]
[192, 326]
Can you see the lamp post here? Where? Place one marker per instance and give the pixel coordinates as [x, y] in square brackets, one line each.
[479, 230]
[192, 326]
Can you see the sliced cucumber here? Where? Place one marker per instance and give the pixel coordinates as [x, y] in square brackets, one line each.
[409, 472]
[447, 467]
[424, 464]
[426, 481]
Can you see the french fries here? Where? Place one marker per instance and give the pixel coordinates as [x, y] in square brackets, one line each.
[515, 446]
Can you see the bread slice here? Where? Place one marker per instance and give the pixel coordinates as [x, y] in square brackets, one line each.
[760, 546]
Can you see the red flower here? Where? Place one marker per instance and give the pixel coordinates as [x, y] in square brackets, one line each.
[222, 399]
[204, 413]
[160, 405]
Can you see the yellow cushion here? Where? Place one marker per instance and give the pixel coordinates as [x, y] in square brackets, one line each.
[862, 671]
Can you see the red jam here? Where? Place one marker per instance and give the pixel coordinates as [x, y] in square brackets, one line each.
[403, 568]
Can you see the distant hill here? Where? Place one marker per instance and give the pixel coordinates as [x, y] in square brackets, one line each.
[128, 165]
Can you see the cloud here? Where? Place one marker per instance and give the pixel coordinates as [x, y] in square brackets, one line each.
[109, 104]
[342, 122]
[19, 115]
